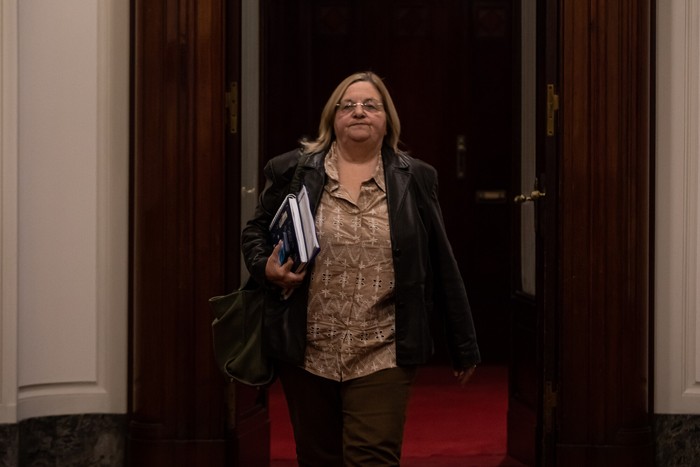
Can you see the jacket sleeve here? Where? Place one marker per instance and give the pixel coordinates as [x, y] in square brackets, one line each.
[449, 293]
[256, 242]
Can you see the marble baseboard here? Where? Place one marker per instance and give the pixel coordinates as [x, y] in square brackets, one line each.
[65, 441]
[100, 440]
[9, 445]
[677, 440]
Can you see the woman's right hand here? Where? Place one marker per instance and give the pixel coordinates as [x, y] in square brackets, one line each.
[281, 274]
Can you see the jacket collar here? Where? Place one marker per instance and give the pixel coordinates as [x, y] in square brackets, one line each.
[397, 175]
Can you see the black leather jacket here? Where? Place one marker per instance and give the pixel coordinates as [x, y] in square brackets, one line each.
[427, 275]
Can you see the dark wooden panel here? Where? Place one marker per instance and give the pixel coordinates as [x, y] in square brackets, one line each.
[604, 404]
[177, 218]
[179, 413]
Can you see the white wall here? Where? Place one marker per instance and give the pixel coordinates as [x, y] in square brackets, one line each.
[677, 305]
[65, 88]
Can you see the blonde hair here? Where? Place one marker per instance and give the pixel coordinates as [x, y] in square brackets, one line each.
[326, 134]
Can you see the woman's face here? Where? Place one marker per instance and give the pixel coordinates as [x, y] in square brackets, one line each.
[358, 123]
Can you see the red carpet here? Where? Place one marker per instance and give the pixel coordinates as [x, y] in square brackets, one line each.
[448, 425]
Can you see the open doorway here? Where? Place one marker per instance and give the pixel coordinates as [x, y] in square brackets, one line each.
[454, 71]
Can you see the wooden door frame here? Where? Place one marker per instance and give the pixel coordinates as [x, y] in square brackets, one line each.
[177, 398]
[604, 404]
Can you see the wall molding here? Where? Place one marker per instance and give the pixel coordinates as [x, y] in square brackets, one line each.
[62, 399]
[8, 209]
[692, 350]
[113, 202]
[98, 383]
[677, 307]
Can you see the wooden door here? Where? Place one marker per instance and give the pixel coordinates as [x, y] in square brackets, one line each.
[604, 399]
[523, 369]
[177, 412]
[185, 192]
[247, 424]
[533, 362]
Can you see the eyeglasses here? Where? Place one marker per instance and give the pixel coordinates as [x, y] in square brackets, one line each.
[368, 106]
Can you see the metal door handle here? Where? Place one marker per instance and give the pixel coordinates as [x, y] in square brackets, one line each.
[534, 196]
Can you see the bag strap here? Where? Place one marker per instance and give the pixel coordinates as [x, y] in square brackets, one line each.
[295, 183]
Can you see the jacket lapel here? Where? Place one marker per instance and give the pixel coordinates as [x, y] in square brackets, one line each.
[313, 176]
[397, 175]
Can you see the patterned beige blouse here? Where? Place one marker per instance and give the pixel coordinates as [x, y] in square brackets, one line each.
[350, 329]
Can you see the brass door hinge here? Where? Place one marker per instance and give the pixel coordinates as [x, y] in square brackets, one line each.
[552, 107]
[550, 404]
[232, 106]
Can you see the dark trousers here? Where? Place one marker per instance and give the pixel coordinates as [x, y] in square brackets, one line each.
[351, 423]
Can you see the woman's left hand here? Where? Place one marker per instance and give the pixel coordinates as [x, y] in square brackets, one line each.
[281, 274]
[464, 375]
